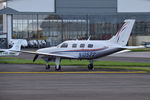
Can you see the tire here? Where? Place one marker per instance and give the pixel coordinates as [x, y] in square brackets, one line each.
[58, 69]
[48, 66]
[90, 66]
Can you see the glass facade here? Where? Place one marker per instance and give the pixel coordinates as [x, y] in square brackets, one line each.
[53, 29]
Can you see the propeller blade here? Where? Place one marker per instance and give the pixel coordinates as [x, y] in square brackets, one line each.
[36, 56]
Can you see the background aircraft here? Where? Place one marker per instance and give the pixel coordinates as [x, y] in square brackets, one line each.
[10, 52]
[87, 49]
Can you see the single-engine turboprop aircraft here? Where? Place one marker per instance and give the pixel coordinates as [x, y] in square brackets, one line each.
[87, 49]
[10, 52]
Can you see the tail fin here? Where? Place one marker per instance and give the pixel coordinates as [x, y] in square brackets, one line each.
[123, 34]
[16, 46]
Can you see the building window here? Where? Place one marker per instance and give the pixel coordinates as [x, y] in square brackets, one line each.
[55, 29]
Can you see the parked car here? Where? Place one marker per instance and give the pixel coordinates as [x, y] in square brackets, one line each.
[37, 43]
[146, 44]
[33, 43]
[42, 43]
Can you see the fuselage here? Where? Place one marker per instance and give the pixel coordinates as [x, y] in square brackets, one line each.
[83, 49]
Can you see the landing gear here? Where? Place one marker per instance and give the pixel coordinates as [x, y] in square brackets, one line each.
[58, 68]
[90, 66]
[57, 61]
[48, 66]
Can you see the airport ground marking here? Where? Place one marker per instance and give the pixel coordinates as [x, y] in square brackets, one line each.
[82, 72]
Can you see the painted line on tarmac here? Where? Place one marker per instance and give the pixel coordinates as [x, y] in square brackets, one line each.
[94, 72]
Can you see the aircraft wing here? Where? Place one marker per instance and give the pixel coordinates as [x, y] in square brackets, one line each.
[46, 54]
[128, 47]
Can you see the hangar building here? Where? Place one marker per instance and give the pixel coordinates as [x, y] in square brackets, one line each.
[54, 21]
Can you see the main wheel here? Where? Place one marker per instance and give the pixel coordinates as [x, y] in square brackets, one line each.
[90, 66]
[58, 68]
[48, 66]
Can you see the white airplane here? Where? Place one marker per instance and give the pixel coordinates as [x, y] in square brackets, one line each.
[87, 49]
[10, 52]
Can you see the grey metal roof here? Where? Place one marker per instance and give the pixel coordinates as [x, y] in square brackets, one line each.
[9, 10]
[4, 1]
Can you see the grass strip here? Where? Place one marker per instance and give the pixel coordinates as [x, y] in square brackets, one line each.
[74, 62]
[110, 65]
[141, 50]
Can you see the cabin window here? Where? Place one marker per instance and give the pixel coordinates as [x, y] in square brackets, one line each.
[64, 45]
[82, 45]
[90, 45]
[74, 45]
[1, 51]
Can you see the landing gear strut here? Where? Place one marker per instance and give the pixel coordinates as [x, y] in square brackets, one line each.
[57, 61]
[90, 66]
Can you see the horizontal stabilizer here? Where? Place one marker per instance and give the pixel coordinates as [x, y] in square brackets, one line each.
[123, 51]
[132, 47]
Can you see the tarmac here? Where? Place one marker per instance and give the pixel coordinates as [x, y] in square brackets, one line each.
[74, 86]
[33, 82]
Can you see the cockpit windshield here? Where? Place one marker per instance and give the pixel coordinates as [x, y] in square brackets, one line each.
[64, 45]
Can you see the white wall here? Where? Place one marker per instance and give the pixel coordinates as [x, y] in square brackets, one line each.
[9, 27]
[4, 23]
[32, 5]
[1, 5]
[133, 6]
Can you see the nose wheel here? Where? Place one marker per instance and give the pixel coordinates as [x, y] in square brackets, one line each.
[58, 68]
[90, 67]
[57, 62]
[47, 66]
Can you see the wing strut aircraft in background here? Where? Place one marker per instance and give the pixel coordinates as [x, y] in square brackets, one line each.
[87, 49]
[10, 52]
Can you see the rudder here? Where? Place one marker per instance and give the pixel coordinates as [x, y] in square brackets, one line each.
[16, 46]
[123, 34]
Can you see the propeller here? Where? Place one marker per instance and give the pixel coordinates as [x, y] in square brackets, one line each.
[36, 56]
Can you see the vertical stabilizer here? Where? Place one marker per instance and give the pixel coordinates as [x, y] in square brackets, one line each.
[16, 46]
[123, 34]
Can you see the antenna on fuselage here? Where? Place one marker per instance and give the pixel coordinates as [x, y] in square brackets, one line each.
[89, 38]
